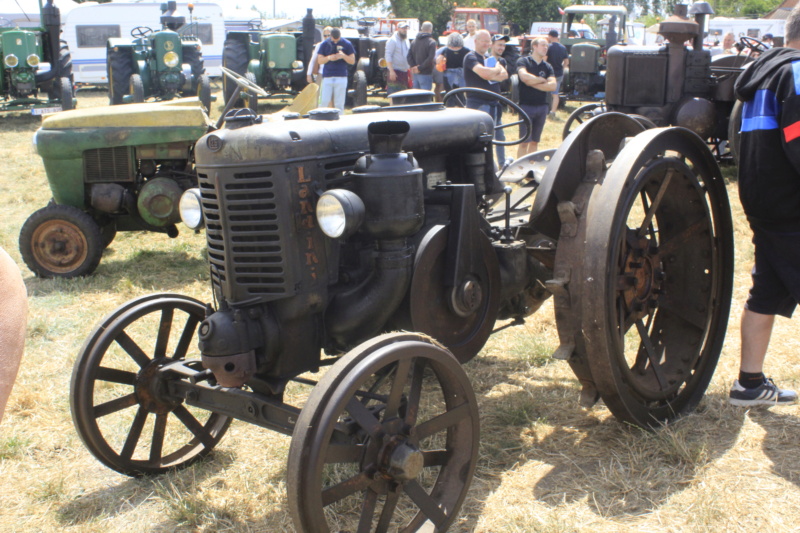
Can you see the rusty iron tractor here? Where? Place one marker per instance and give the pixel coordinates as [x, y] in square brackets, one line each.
[328, 234]
[676, 84]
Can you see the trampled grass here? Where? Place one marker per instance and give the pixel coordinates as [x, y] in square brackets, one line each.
[546, 464]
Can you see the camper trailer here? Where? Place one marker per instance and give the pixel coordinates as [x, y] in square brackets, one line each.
[87, 30]
[755, 28]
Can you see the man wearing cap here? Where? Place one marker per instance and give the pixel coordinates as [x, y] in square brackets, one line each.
[486, 73]
[396, 62]
[336, 53]
[767, 40]
[421, 56]
[536, 79]
[558, 57]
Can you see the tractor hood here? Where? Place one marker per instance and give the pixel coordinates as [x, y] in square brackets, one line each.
[184, 112]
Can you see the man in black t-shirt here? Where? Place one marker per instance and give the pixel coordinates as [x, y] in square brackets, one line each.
[558, 57]
[536, 80]
[485, 73]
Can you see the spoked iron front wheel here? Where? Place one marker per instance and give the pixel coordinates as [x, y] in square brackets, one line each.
[120, 404]
[659, 258]
[388, 439]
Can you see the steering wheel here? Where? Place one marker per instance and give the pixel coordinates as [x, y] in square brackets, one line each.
[245, 84]
[140, 31]
[254, 24]
[754, 45]
[489, 95]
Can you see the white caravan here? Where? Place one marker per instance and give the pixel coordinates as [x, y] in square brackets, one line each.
[87, 28]
[755, 28]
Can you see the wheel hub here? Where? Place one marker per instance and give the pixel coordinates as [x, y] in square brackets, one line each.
[401, 459]
[151, 391]
[642, 278]
[467, 297]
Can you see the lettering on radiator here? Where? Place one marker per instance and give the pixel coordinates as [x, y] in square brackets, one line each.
[307, 220]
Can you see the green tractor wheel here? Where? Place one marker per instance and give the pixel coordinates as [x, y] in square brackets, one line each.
[204, 92]
[119, 64]
[234, 57]
[252, 98]
[65, 93]
[137, 88]
[61, 241]
[65, 61]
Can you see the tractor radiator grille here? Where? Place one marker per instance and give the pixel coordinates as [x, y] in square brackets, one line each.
[108, 164]
[246, 229]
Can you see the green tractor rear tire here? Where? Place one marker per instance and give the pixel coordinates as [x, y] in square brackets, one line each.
[119, 65]
[137, 88]
[235, 57]
[61, 241]
[204, 92]
[65, 94]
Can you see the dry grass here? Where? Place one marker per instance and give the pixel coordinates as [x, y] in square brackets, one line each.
[545, 464]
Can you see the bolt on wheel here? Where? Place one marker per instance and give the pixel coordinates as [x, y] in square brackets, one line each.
[388, 438]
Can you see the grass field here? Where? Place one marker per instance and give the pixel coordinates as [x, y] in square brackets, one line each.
[545, 463]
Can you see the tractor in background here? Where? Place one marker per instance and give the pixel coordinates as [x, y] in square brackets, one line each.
[36, 66]
[161, 65]
[274, 61]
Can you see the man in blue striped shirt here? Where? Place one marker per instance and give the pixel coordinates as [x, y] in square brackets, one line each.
[769, 189]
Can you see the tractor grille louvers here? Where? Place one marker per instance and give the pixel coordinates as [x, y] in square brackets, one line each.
[243, 230]
[108, 164]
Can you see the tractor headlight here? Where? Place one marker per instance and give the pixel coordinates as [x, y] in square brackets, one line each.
[171, 59]
[33, 60]
[191, 210]
[297, 64]
[340, 213]
[11, 61]
[271, 64]
[382, 63]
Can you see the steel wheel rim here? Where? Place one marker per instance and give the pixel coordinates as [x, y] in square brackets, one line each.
[691, 331]
[91, 376]
[59, 245]
[449, 488]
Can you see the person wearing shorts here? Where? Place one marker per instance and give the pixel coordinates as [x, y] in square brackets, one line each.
[536, 79]
[769, 189]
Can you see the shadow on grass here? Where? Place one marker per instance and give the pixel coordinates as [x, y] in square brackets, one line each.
[154, 270]
[780, 441]
[617, 469]
[119, 499]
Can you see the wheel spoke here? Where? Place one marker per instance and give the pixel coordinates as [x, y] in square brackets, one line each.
[193, 425]
[655, 363]
[443, 421]
[367, 511]
[107, 408]
[388, 510]
[415, 392]
[186, 337]
[509, 124]
[114, 375]
[132, 349]
[363, 417]
[347, 487]
[435, 457]
[164, 328]
[648, 219]
[344, 453]
[425, 503]
[157, 444]
[398, 386]
[133, 435]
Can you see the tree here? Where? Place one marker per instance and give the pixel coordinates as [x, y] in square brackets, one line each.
[523, 12]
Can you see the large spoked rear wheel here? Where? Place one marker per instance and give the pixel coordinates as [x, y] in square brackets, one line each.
[658, 276]
[121, 406]
[581, 115]
[388, 439]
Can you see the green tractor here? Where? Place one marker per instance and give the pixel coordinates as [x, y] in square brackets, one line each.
[36, 68]
[275, 61]
[159, 65]
[120, 168]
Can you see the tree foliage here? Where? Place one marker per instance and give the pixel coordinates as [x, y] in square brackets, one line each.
[436, 11]
[523, 12]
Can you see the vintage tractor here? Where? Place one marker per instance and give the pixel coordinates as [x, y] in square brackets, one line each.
[328, 233]
[36, 67]
[675, 84]
[369, 75]
[274, 61]
[159, 65]
[112, 169]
